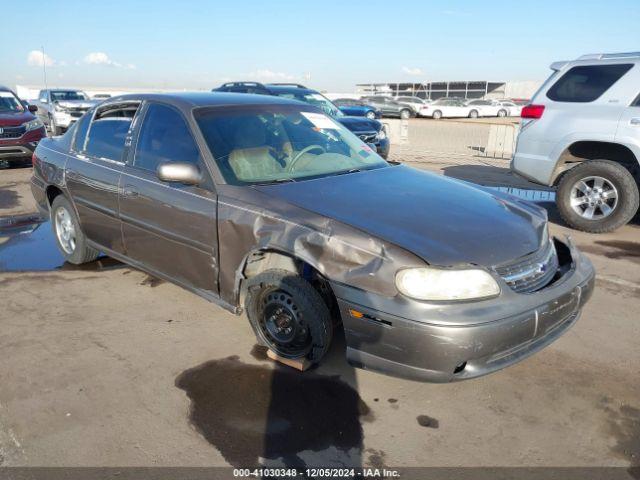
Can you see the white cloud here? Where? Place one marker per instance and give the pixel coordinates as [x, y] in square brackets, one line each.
[101, 58]
[268, 75]
[412, 71]
[37, 59]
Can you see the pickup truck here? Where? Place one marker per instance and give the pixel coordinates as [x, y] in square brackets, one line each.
[58, 109]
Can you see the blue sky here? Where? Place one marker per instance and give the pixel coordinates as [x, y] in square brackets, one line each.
[199, 44]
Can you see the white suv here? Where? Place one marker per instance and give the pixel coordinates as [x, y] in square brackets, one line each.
[581, 133]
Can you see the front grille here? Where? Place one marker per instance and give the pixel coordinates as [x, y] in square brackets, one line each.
[532, 272]
[12, 132]
[367, 137]
[77, 112]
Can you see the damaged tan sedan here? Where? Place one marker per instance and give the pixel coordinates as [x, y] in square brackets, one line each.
[268, 203]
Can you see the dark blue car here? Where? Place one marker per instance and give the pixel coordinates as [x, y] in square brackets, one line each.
[367, 129]
[357, 108]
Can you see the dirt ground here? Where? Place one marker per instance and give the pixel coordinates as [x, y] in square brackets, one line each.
[105, 366]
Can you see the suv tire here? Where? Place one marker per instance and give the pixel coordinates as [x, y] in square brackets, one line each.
[288, 315]
[71, 242]
[614, 175]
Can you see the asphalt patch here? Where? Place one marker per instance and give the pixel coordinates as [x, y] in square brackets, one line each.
[248, 412]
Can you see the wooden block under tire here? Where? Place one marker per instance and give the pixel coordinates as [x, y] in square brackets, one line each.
[301, 364]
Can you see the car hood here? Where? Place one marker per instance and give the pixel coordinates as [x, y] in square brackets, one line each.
[443, 221]
[78, 103]
[12, 119]
[360, 124]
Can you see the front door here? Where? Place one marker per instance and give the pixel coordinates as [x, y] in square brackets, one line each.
[167, 227]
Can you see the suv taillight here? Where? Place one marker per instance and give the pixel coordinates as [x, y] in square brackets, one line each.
[532, 111]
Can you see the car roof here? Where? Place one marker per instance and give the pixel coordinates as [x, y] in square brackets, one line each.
[190, 100]
[276, 89]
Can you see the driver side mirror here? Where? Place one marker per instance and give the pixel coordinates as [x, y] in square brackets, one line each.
[180, 172]
[32, 108]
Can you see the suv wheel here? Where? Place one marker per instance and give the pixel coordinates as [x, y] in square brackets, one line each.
[70, 239]
[473, 114]
[371, 115]
[597, 196]
[405, 114]
[288, 315]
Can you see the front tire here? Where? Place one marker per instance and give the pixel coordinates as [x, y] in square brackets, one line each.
[502, 113]
[405, 114]
[69, 237]
[288, 315]
[597, 196]
[473, 114]
[437, 115]
[371, 115]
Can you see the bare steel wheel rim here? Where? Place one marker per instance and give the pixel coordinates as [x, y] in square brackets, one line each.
[593, 198]
[282, 324]
[65, 230]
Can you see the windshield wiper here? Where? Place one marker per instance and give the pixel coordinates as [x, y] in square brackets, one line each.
[277, 180]
[352, 170]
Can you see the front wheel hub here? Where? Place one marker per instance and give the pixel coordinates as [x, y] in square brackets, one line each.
[282, 323]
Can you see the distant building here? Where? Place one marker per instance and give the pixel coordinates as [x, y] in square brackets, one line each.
[460, 89]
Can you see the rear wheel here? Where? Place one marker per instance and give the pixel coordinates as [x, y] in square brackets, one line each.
[371, 115]
[288, 315]
[437, 115]
[502, 113]
[69, 237]
[405, 113]
[597, 196]
[473, 114]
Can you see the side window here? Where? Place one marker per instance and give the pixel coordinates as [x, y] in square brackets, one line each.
[108, 131]
[81, 132]
[586, 83]
[43, 96]
[164, 137]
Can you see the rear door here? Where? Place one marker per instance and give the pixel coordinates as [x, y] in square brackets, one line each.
[169, 228]
[99, 146]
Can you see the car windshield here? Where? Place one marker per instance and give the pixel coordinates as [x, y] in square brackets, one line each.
[277, 143]
[9, 103]
[64, 95]
[315, 99]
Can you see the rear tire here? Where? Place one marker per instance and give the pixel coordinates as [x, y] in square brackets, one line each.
[288, 315]
[370, 115]
[405, 114]
[473, 114]
[502, 113]
[71, 242]
[436, 115]
[601, 188]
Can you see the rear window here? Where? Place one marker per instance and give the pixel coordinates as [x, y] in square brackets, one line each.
[586, 83]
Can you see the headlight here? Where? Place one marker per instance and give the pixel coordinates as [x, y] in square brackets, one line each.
[33, 125]
[429, 283]
[381, 135]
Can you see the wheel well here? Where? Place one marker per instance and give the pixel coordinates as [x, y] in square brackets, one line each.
[52, 193]
[262, 260]
[593, 150]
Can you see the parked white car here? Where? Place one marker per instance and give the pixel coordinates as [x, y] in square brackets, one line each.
[513, 109]
[581, 133]
[416, 103]
[447, 108]
[487, 108]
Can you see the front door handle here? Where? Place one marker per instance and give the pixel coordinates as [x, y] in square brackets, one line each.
[635, 121]
[129, 192]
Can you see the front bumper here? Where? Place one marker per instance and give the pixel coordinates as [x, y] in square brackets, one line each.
[451, 342]
[383, 147]
[21, 148]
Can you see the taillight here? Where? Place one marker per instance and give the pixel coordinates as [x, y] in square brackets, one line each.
[532, 111]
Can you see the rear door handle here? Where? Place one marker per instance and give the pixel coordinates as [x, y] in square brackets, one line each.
[635, 121]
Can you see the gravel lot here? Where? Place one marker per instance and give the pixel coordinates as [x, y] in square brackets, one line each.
[105, 366]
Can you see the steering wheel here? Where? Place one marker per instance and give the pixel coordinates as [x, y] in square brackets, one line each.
[302, 152]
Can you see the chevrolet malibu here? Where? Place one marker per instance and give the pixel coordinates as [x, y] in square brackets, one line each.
[268, 206]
